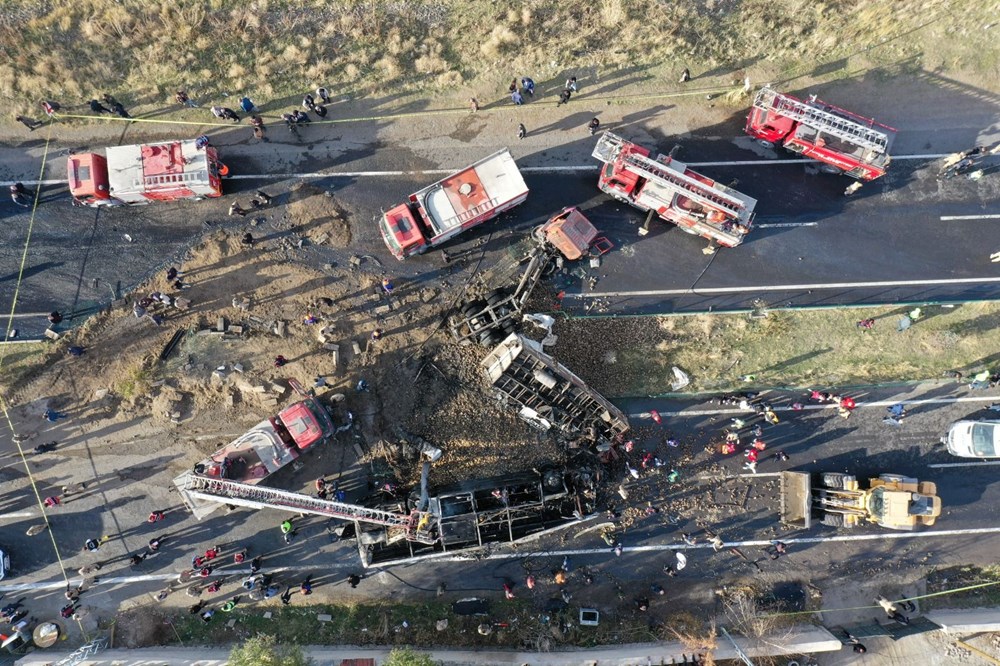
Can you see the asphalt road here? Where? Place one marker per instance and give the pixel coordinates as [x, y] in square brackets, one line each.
[812, 246]
[815, 440]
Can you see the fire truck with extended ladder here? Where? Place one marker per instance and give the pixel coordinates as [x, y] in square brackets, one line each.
[664, 185]
[232, 476]
[843, 141]
[144, 173]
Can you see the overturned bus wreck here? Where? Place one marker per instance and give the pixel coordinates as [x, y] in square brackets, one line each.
[548, 395]
[473, 514]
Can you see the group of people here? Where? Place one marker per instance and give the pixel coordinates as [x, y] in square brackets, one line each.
[113, 108]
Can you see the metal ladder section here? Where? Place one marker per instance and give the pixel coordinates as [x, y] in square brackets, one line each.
[692, 188]
[829, 123]
[258, 497]
[470, 213]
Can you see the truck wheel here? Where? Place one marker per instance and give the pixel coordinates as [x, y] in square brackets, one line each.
[488, 338]
[835, 480]
[473, 307]
[833, 520]
[496, 296]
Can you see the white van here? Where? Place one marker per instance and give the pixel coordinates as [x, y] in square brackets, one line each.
[974, 439]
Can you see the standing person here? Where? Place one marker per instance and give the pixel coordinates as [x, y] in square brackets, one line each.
[513, 86]
[866, 324]
[258, 127]
[30, 123]
[247, 105]
[236, 209]
[306, 587]
[563, 97]
[353, 580]
[522, 131]
[571, 84]
[308, 102]
[896, 414]
[181, 97]
[320, 111]
[255, 564]
[247, 239]
[119, 110]
[51, 108]
[516, 98]
[52, 415]
[528, 85]
[156, 516]
[508, 591]
[593, 125]
[20, 195]
[387, 286]
[324, 95]
[52, 501]
[847, 405]
[474, 106]
[685, 75]
[286, 598]
[97, 107]
[136, 559]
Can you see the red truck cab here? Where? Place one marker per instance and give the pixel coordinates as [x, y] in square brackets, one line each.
[88, 179]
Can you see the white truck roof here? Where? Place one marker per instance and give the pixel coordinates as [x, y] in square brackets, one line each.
[136, 170]
[488, 184]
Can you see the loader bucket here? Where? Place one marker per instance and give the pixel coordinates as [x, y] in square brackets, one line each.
[796, 499]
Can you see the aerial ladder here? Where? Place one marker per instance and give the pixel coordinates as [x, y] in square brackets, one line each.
[851, 131]
[694, 202]
[417, 525]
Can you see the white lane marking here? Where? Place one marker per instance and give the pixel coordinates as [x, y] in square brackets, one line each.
[748, 476]
[811, 407]
[658, 548]
[785, 224]
[434, 172]
[970, 217]
[978, 463]
[783, 287]
[19, 514]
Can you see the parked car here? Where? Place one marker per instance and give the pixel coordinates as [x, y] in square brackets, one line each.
[974, 439]
[4, 564]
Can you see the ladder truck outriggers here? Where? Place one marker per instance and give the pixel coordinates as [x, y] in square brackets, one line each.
[669, 188]
[843, 141]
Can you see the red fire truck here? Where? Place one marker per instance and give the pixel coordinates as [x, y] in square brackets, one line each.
[144, 173]
[844, 142]
[695, 203]
[461, 201]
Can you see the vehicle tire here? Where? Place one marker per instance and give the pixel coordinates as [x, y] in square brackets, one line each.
[488, 338]
[833, 520]
[496, 296]
[835, 480]
[473, 307]
[764, 143]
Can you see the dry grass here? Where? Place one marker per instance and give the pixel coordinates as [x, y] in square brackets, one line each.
[818, 348]
[73, 50]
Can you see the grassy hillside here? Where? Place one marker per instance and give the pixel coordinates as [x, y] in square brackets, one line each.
[142, 50]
